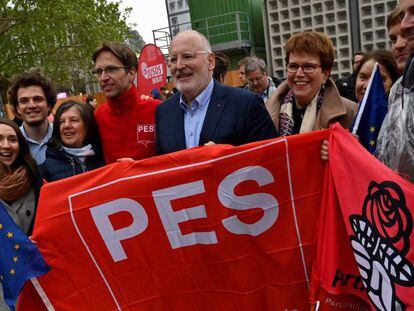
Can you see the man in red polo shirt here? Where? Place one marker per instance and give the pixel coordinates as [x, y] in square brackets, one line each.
[126, 123]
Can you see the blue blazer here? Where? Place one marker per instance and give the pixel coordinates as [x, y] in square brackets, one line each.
[234, 116]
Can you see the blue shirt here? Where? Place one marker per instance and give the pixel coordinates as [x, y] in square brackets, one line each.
[194, 115]
[38, 150]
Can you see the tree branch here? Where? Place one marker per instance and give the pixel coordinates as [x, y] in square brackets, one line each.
[49, 52]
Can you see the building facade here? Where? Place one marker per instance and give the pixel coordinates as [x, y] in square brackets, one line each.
[353, 25]
[178, 14]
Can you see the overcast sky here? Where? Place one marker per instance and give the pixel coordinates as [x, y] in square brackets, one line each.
[147, 15]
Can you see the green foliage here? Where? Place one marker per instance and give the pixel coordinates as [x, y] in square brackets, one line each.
[59, 36]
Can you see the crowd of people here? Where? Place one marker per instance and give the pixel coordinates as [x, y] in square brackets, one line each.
[203, 111]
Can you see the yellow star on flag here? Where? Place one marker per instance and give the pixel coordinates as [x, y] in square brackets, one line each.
[12, 271]
[9, 234]
[372, 142]
[15, 258]
[1, 226]
[372, 129]
[16, 246]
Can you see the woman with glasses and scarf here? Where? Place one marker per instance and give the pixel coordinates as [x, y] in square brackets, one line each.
[309, 100]
[74, 147]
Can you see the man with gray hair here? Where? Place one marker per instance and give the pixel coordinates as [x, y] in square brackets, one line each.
[258, 78]
[204, 111]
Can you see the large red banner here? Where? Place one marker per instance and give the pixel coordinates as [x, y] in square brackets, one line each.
[217, 227]
[366, 246]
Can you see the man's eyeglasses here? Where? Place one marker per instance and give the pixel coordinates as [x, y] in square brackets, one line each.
[306, 68]
[108, 69]
[186, 57]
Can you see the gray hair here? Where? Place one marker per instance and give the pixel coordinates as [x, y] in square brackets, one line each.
[255, 63]
[244, 61]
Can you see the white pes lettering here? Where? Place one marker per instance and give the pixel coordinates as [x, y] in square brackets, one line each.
[112, 237]
[146, 128]
[266, 202]
[172, 218]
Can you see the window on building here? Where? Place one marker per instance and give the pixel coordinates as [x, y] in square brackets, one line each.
[307, 21]
[379, 8]
[381, 46]
[306, 10]
[341, 3]
[330, 18]
[286, 26]
[285, 14]
[368, 36]
[276, 40]
[331, 30]
[380, 34]
[283, 3]
[329, 5]
[296, 24]
[366, 11]
[318, 19]
[341, 15]
[317, 7]
[174, 20]
[368, 47]
[172, 5]
[274, 16]
[367, 23]
[275, 28]
[180, 4]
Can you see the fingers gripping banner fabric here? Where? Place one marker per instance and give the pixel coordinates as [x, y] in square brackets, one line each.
[218, 227]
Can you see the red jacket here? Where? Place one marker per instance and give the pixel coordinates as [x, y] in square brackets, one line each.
[127, 127]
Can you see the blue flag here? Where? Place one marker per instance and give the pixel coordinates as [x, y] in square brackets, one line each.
[20, 260]
[371, 112]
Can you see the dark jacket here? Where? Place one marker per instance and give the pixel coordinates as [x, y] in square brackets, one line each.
[234, 116]
[59, 164]
[346, 87]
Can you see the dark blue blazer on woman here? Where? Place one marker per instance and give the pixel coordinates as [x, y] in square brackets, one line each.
[59, 164]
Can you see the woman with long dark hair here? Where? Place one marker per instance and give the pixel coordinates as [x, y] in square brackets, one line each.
[74, 147]
[19, 179]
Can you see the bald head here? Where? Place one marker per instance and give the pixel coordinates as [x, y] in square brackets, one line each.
[199, 38]
[191, 63]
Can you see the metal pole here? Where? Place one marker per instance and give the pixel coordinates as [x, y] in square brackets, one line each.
[238, 29]
[2, 111]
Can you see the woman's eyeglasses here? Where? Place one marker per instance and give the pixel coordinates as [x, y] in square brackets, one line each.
[306, 68]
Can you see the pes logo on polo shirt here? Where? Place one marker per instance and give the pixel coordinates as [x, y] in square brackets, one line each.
[145, 134]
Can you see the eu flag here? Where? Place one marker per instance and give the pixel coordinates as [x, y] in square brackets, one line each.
[19, 258]
[371, 112]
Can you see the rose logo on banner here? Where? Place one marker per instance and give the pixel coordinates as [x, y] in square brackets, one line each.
[381, 242]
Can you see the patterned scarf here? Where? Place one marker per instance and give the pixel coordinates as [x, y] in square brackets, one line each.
[287, 122]
[14, 185]
[80, 153]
